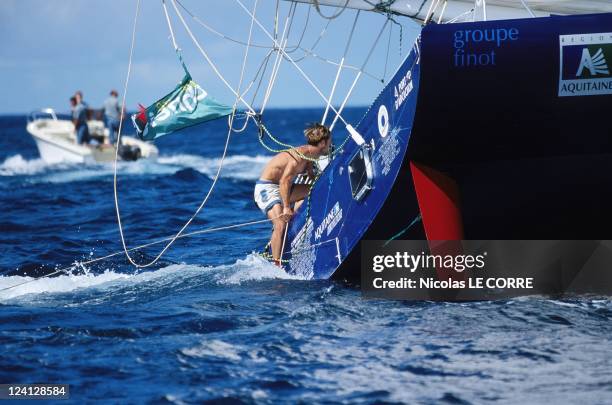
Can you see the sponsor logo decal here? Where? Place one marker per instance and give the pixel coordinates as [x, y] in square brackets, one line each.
[383, 121]
[477, 47]
[584, 64]
[401, 91]
[330, 221]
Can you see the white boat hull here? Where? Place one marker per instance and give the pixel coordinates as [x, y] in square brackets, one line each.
[56, 142]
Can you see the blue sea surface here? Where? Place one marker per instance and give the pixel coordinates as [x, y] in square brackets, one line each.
[213, 321]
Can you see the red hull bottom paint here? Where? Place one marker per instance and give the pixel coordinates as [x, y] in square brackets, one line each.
[438, 198]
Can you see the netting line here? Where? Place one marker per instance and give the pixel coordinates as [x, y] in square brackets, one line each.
[121, 252]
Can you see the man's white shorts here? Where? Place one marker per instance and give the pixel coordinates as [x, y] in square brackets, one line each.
[266, 195]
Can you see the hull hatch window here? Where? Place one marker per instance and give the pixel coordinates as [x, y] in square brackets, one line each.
[360, 172]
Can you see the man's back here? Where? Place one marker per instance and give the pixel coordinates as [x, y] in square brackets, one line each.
[276, 166]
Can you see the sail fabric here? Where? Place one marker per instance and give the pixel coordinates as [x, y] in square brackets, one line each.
[188, 104]
[496, 9]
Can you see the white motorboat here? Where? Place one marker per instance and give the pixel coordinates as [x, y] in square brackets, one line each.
[56, 141]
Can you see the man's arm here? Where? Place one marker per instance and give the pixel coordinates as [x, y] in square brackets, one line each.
[291, 170]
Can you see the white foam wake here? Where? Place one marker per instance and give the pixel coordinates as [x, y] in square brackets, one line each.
[16, 165]
[238, 167]
[251, 268]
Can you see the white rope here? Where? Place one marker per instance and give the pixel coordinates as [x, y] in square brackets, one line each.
[365, 62]
[348, 94]
[429, 11]
[120, 252]
[299, 69]
[292, 48]
[210, 62]
[230, 123]
[176, 48]
[278, 60]
[125, 88]
[244, 61]
[484, 9]
[216, 177]
[527, 8]
[346, 48]
[333, 90]
[452, 20]
[442, 12]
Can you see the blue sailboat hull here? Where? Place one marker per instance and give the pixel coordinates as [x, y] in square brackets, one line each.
[488, 130]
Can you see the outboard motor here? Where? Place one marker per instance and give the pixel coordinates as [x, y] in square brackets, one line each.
[129, 152]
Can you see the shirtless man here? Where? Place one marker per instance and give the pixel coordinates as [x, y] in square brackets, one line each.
[275, 191]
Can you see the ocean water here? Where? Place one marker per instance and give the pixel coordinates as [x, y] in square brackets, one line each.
[215, 322]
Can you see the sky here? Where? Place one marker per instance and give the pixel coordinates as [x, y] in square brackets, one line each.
[51, 48]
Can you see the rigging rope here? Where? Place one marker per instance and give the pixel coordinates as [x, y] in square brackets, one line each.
[346, 48]
[527, 8]
[207, 58]
[332, 17]
[176, 48]
[125, 88]
[315, 43]
[303, 32]
[299, 69]
[279, 59]
[365, 62]
[289, 48]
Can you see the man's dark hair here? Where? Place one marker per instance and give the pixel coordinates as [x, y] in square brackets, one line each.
[316, 133]
[73, 99]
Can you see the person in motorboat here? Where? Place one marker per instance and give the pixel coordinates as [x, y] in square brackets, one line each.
[112, 115]
[79, 97]
[79, 119]
[275, 191]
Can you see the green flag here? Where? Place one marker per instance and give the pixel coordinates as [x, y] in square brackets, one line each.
[188, 104]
